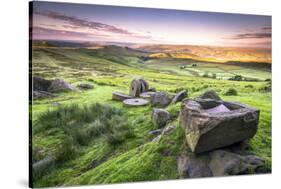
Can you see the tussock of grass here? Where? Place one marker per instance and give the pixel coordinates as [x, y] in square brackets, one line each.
[83, 124]
[231, 92]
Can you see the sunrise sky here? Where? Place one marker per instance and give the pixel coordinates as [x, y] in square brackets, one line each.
[65, 21]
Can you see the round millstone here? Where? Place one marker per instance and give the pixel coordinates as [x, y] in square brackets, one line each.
[144, 85]
[147, 95]
[135, 88]
[120, 96]
[135, 102]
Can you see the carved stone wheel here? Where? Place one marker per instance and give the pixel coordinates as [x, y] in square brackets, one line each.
[135, 102]
[138, 86]
[135, 88]
[144, 85]
[120, 96]
[147, 95]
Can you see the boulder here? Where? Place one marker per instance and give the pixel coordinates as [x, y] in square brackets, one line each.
[207, 131]
[59, 85]
[160, 99]
[193, 167]
[120, 96]
[218, 163]
[159, 117]
[210, 94]
[41, 94]
[85, 86]
[179, 96]
[135, 102]
[224, 163]
[40, 84]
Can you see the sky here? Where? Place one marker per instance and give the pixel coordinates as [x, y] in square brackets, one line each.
[82, 22]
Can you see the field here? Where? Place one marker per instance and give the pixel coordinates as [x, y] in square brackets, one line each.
[126, 155]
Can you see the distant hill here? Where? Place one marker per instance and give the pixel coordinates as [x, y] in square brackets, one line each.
[208, 53]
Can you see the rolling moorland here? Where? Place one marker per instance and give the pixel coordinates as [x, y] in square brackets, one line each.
[97, 140]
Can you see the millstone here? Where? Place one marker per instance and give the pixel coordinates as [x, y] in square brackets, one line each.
[120, 96]
[135, 88]
[135, 102]
[144, 85]
[147, 94]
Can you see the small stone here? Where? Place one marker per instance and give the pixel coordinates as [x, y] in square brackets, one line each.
[159, 117]
[85, 86]
[179, 96]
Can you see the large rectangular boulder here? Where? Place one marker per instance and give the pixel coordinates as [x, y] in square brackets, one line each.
[217, 124]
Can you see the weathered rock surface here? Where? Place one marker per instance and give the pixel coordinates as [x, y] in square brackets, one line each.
[144, 85]
[159, 117]
[147, 95]
[227, 163]
[137, 87]
[160, 99]
[135, 102]
[165, 131]
[120, 96]
[211, 94]
[40, 84]
[41, 94]
[179, 96]
[207, 131]
[85, 86]
[59, 85]
[193, 167]
[218, 163]
[155, 132]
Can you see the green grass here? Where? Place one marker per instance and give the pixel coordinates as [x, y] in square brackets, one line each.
[93, 157]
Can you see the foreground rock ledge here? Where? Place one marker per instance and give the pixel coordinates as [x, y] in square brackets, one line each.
[215, 127]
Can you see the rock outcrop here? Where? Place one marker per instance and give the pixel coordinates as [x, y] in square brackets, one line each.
[206, 130]
[218, 163]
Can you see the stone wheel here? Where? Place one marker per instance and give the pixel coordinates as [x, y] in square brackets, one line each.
[147, 95]
[135, 102]
[135, 88]
[144, 85]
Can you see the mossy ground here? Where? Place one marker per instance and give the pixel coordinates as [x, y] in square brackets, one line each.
[136, 158]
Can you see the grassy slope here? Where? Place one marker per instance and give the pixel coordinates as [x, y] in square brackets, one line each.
[137, 159]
